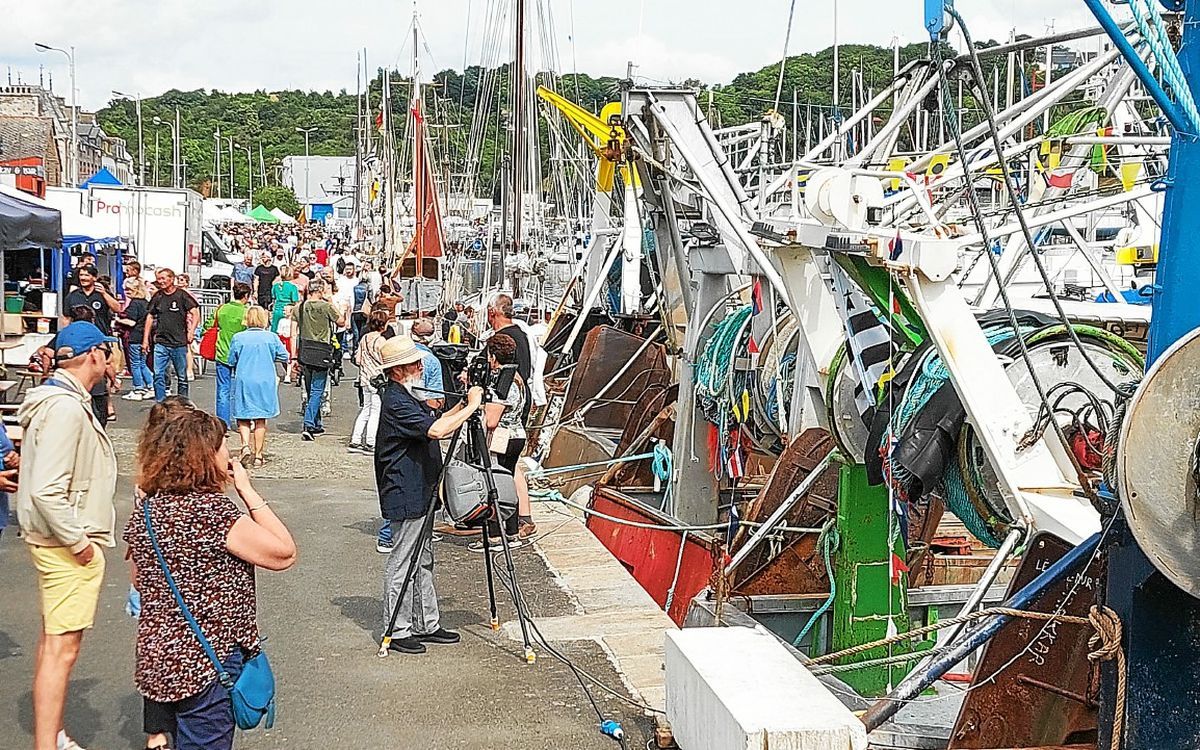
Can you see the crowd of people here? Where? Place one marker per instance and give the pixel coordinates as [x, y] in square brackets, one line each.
[192, 551]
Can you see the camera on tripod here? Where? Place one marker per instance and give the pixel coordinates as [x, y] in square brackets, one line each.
[459, 358]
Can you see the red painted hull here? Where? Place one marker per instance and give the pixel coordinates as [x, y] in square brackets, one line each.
[652, 555]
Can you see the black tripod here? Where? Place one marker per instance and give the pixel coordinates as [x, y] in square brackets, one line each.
[477, 454]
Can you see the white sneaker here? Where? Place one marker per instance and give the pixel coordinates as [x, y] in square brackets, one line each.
[133, 396]
[66, 743]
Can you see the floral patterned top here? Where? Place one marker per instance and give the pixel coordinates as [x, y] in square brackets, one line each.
[217, 587]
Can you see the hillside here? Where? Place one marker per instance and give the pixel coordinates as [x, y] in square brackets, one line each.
[272, 117]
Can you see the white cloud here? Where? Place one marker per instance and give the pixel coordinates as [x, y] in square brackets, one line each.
[149, 46]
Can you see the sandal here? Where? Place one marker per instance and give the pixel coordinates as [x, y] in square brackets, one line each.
[260, 461]
[246, 457]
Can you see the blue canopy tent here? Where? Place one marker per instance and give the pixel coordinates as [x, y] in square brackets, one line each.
[102, 177]
[27, 225]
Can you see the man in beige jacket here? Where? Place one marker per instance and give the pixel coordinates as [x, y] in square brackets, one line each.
[66, 514]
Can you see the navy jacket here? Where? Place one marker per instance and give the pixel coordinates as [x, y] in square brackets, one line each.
[408, 462]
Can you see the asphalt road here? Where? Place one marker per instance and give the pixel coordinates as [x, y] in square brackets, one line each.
[322, 619]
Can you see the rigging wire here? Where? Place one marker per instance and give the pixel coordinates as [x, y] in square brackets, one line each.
[1010, 188]
[993, 262]
[787, 39]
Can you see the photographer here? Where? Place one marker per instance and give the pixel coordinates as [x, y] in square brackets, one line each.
[506, 439]
[408, 464]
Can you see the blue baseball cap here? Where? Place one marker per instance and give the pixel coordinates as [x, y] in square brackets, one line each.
[79, 338]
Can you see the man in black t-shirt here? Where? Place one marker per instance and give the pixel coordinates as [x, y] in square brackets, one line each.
[175, 316]
[499, 314]
[264, 277]
[101, 303]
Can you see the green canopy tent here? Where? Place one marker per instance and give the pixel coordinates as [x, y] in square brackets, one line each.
[262, 215]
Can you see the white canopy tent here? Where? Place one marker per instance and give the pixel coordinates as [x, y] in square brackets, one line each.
[283, 216]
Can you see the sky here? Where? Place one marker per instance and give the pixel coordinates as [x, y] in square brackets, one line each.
[149, 46]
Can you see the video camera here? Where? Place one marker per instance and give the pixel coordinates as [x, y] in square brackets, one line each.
[459, 358]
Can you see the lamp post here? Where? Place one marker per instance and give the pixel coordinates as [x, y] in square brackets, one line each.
[249, 173]
[232, 169]
[74, 110]
[307, 132]
[174, 149]
[137, 99]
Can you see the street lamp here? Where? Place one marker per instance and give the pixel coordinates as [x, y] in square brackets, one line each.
[74, 109]
[249, 173]
[307, 132]
[174, 149]
[137, 98]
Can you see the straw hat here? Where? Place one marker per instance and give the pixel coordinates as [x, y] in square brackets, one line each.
[399, 350]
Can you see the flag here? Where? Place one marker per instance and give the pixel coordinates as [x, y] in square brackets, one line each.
[734, 460]
[1061, 178]
[896, 165]
[1129, 174]
[756, 299]
[752, 345]
[895, 247]
[379, 121]
[898, 568]
[302, 218]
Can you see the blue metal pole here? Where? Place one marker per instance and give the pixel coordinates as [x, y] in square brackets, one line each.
[915, 684]
[1161, 621]
[1149, 82]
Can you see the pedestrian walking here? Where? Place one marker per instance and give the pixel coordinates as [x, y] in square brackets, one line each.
[229, 319]
[66, 514]
[255, 397]
[285, 294]
[264, 277]
[243, 273]
[211, 550]
[369, 359]
[316, 320]
[175, 316]
[133, 320]
[431, 367]
[408, 466]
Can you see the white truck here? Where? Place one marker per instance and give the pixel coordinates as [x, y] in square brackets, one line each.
[163, 226]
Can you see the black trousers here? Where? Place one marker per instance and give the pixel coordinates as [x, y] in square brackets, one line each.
[508, 461]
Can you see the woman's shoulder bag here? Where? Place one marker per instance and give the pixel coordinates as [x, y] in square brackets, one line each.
[253, 693]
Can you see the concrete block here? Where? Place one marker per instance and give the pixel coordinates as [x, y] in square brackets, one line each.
[739, 689]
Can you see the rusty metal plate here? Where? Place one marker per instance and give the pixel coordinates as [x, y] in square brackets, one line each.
[605, 352]
[796, 568]
[1047, 696]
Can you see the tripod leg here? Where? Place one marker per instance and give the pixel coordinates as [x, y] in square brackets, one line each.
[518, 601]
[491, 583]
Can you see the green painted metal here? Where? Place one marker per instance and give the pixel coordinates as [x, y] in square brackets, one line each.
[866, 598]
[890, 298]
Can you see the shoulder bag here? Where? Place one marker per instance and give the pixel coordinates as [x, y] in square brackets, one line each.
[319, 355]
[253, 693]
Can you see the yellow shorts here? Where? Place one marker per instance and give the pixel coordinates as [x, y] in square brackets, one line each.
[70, 591]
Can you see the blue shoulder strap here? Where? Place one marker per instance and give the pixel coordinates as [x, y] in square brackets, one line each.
[222, 675]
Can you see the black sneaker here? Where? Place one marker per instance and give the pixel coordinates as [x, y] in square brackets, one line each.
[307, 436]
[318, 430]
[441, 635]
[409, 645]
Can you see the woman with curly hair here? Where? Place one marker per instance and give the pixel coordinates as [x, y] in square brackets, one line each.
[211, 549]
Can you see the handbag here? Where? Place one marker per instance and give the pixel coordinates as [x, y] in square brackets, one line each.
[498, 443]
[319, 355]
[208, 344]
[464, 491]
[253, 693]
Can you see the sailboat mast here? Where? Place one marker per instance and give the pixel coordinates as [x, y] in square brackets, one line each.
[517, 164]
[418, 164]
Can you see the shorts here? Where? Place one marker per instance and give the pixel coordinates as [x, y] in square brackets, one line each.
[70, 591]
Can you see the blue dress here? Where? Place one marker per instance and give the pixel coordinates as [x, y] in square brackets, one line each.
[255, 391]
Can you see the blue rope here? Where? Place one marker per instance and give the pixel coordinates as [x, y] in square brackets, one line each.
[1150, 26]
[662, 468]
[828, 542]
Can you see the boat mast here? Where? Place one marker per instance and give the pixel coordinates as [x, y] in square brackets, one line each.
[517, 161]
[418, 159]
